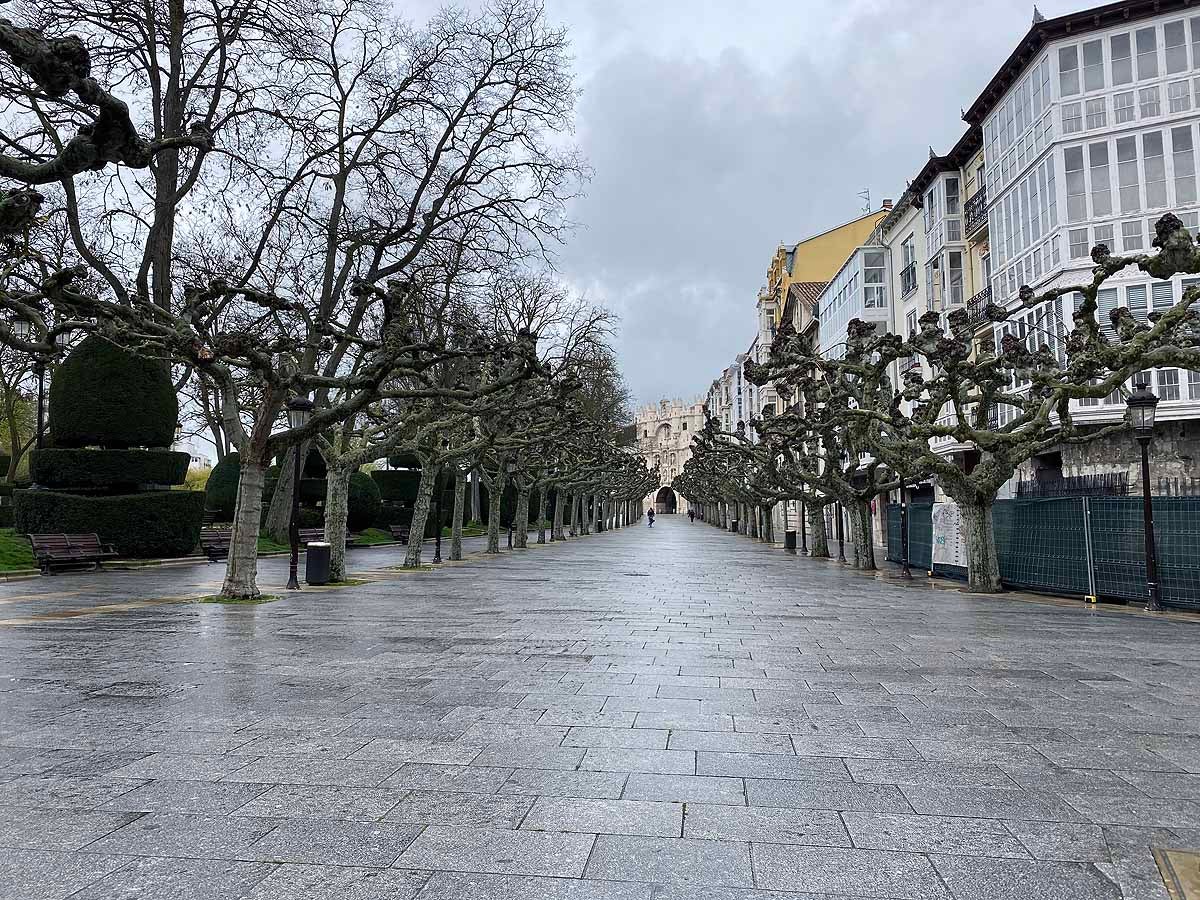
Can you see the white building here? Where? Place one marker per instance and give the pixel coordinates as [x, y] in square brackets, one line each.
[1090, 131]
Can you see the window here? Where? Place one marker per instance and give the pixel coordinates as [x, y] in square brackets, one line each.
[1179, 96]
[1122, 59]
[1106, 302]
[1101, 183]
[1135, 300]
[1146, 40]
[874, 288]
[1127, 175]
[1072, 118]
[954, 278]
[1156, 169]
[1078, 243]
[910, 323]
[1068, 71]
[1123, 107]
[1168, 384]
[1093, 64]
[1103, 234]
[1184, 160]
[683, 427]
[952, 208]
[1097, 116]
[1131, 236]
[1175, 45]
[1076, 187]
[1162, 296]
[1194, 385]
[1148, 100]
[1194, 25]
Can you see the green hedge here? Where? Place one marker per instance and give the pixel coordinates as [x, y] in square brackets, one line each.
[364, 501]
[104, 396]
[150, 525]
[63, 468]
[404, 461]
[221, 491]
[397, 486]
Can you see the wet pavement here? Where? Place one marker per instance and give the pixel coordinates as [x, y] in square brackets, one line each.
[637, 715]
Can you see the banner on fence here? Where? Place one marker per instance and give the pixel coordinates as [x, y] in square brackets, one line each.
[949, 548]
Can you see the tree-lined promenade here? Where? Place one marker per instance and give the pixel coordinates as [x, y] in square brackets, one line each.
[852, 431]
[322, 208]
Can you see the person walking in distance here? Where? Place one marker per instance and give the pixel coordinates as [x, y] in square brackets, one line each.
[691, 515]
[650, 517]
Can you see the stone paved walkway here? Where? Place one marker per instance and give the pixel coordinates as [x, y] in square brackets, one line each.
[640, 715]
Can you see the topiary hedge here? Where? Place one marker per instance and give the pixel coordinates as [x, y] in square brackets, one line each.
[397, 487]
[107, 397]
[150, 525]
[220, 494]
[364, 502]
[404, 461]
[70, 468]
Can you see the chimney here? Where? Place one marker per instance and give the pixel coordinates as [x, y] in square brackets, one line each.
[887, 203]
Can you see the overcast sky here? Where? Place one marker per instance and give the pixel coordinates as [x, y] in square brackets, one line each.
[717, 129]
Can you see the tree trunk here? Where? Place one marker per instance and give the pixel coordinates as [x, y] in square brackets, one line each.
[456, 520]
[241, 569]
[556, 528]
[495, 489]
[541, 514]
[476, 505]
[860, 535]
[416, 534]
[521, 538]
[337, 504]
[818, 537]
[983, 566]
[279, 515]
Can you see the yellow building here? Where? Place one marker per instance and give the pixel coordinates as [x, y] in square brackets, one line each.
[810, 263]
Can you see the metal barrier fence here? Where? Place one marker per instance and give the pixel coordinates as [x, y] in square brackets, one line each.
[1079, 546]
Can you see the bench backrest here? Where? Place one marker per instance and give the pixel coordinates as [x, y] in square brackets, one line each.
[66, 543]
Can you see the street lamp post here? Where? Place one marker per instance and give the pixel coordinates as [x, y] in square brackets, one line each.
[1142, 404]
[511, 469]
[905, 572]
[299, 411]
[803, 528]
[841, 534]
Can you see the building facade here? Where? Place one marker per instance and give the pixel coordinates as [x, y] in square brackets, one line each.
[664, 439]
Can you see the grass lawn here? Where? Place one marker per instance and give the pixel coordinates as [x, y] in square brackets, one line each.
[15, 552]
[266, 545]
[370, 536]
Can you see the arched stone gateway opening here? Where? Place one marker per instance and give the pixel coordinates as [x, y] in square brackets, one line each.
[665, 502]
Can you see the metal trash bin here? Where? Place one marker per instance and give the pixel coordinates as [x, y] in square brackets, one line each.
[316, 563]
[733, 525]
[789, 541]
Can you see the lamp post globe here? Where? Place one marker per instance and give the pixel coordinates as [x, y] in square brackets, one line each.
[299, 411]
[1142, 404]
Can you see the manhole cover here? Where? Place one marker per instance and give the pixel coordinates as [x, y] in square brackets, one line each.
[1180, 871]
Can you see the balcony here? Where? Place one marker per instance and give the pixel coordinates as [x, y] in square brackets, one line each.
[977, 307]
[908, 279]
[976, 212]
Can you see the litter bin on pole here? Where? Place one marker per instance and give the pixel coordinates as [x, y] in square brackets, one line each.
[316, 563]
[789, 541]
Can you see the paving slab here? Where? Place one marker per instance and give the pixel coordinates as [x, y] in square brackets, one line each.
[862, 737]
[498, 851]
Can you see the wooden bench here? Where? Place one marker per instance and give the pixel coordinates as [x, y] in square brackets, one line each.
[400, 533]
[214, 543]
[61, 550]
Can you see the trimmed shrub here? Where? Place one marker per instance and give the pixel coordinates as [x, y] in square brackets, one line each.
[220, 494]
[313, 490]
[150, 525]
[397, 487]
[363, 502]
[404, 461]
[113, 469]
[104, 396]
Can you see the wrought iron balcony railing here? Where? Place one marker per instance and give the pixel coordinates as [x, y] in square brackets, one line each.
[908, 279]
[976, 212]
